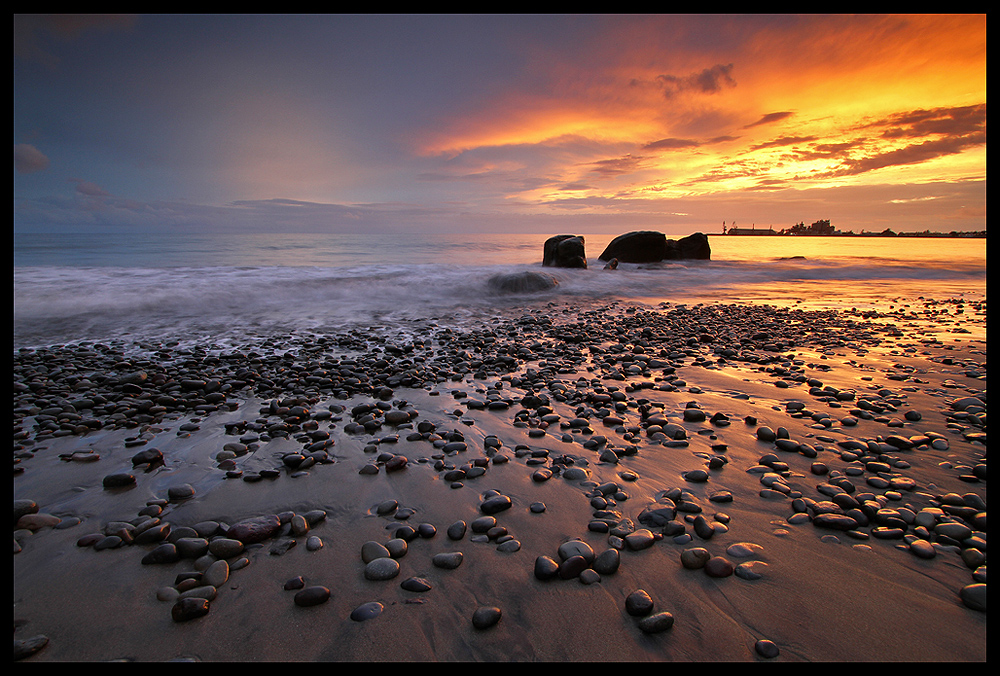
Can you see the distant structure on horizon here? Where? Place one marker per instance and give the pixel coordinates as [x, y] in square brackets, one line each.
[752, 230]
[824, 227]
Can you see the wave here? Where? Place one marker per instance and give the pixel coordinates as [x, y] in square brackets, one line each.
[59, 304]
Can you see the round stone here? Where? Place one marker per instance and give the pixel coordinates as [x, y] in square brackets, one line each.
[546, 568]
[974, 596]
[486, 617]
[654, 624]
[312, 596]
[456, 531]
[367, 611]
[638, 603]
[447, 560]
[719, 566]
[383, 568]
[416, 584]
[766, 648]
[189, 608]
[372, 550]
[695, 558]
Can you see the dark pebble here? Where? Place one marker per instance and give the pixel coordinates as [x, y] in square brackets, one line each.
[766, 648]
[189, 608]
[638, 603]
[312, 596]
[367, 611]
[654, 624]
[486, 617]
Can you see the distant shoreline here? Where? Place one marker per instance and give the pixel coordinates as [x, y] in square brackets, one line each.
[939, 235]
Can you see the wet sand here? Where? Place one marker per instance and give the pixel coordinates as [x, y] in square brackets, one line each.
[865, 593]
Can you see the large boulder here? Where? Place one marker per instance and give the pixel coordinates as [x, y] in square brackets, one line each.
[648, 246]
[521, 282]
[564, 251]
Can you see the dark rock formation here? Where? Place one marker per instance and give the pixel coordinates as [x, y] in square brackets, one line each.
[647, 246]
[521, 282]
[564, 251]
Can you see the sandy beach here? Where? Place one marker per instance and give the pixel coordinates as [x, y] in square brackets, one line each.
[787, 484]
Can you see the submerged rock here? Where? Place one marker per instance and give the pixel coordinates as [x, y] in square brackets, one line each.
[521, 282]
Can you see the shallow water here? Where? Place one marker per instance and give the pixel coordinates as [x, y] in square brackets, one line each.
[100, 287]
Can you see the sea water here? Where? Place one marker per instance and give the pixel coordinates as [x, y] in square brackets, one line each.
[99, 287]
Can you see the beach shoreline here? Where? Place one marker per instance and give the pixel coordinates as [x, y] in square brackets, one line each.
[711, 377]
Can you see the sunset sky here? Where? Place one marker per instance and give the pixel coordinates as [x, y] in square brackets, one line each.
[527, 123]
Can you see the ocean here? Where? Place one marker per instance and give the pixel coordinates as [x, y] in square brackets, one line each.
[238, 288]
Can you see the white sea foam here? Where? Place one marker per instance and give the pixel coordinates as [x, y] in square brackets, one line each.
[61, 303]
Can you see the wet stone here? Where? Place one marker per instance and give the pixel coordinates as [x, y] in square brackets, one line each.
[486, 617]
[189, 608]
[638, 603]
[383, 568]
[447, 560]
[415, 584]
[656, 623]
[367, 611]
[312, 596]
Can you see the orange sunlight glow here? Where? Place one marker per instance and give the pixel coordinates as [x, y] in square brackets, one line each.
[831, 101]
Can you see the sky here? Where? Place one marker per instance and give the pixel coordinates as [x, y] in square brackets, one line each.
[498, 123]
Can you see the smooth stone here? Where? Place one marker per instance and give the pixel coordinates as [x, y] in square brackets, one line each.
[396, 547]
[416, 584]
[766, 648]
[257, 529]
[372, 550]
[607, 562]
[189, 608]
[496, 504]
[225, 548]
[546, 568]
[589, 576]
[182, 492]
[486, 617]
[509, 546]
[456, 531]
[654, 624]
[638, 603]
[742, 550]
[751, 570]
[640, 539]
[447, 560]
[26, 647]
[572, 567]
[974, 596]
[367, 611]
[312, 596]
[383, 568]
[217, 574]
[719, 566]
[572, 548]
[695, 558]
[314, 543]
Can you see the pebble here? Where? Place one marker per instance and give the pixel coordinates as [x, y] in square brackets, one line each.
[189, 608]
[447, 560]
[416, 584]
[695, 558]
[719, 566]
[312, 596]
[383, 568]
[656, 623]
[638, 603]
[486, 617]
[367, 611]
[766, 648]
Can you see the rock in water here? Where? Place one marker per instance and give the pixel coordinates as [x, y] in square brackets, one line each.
[564, 251]
[521, 282]
[648, 246]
